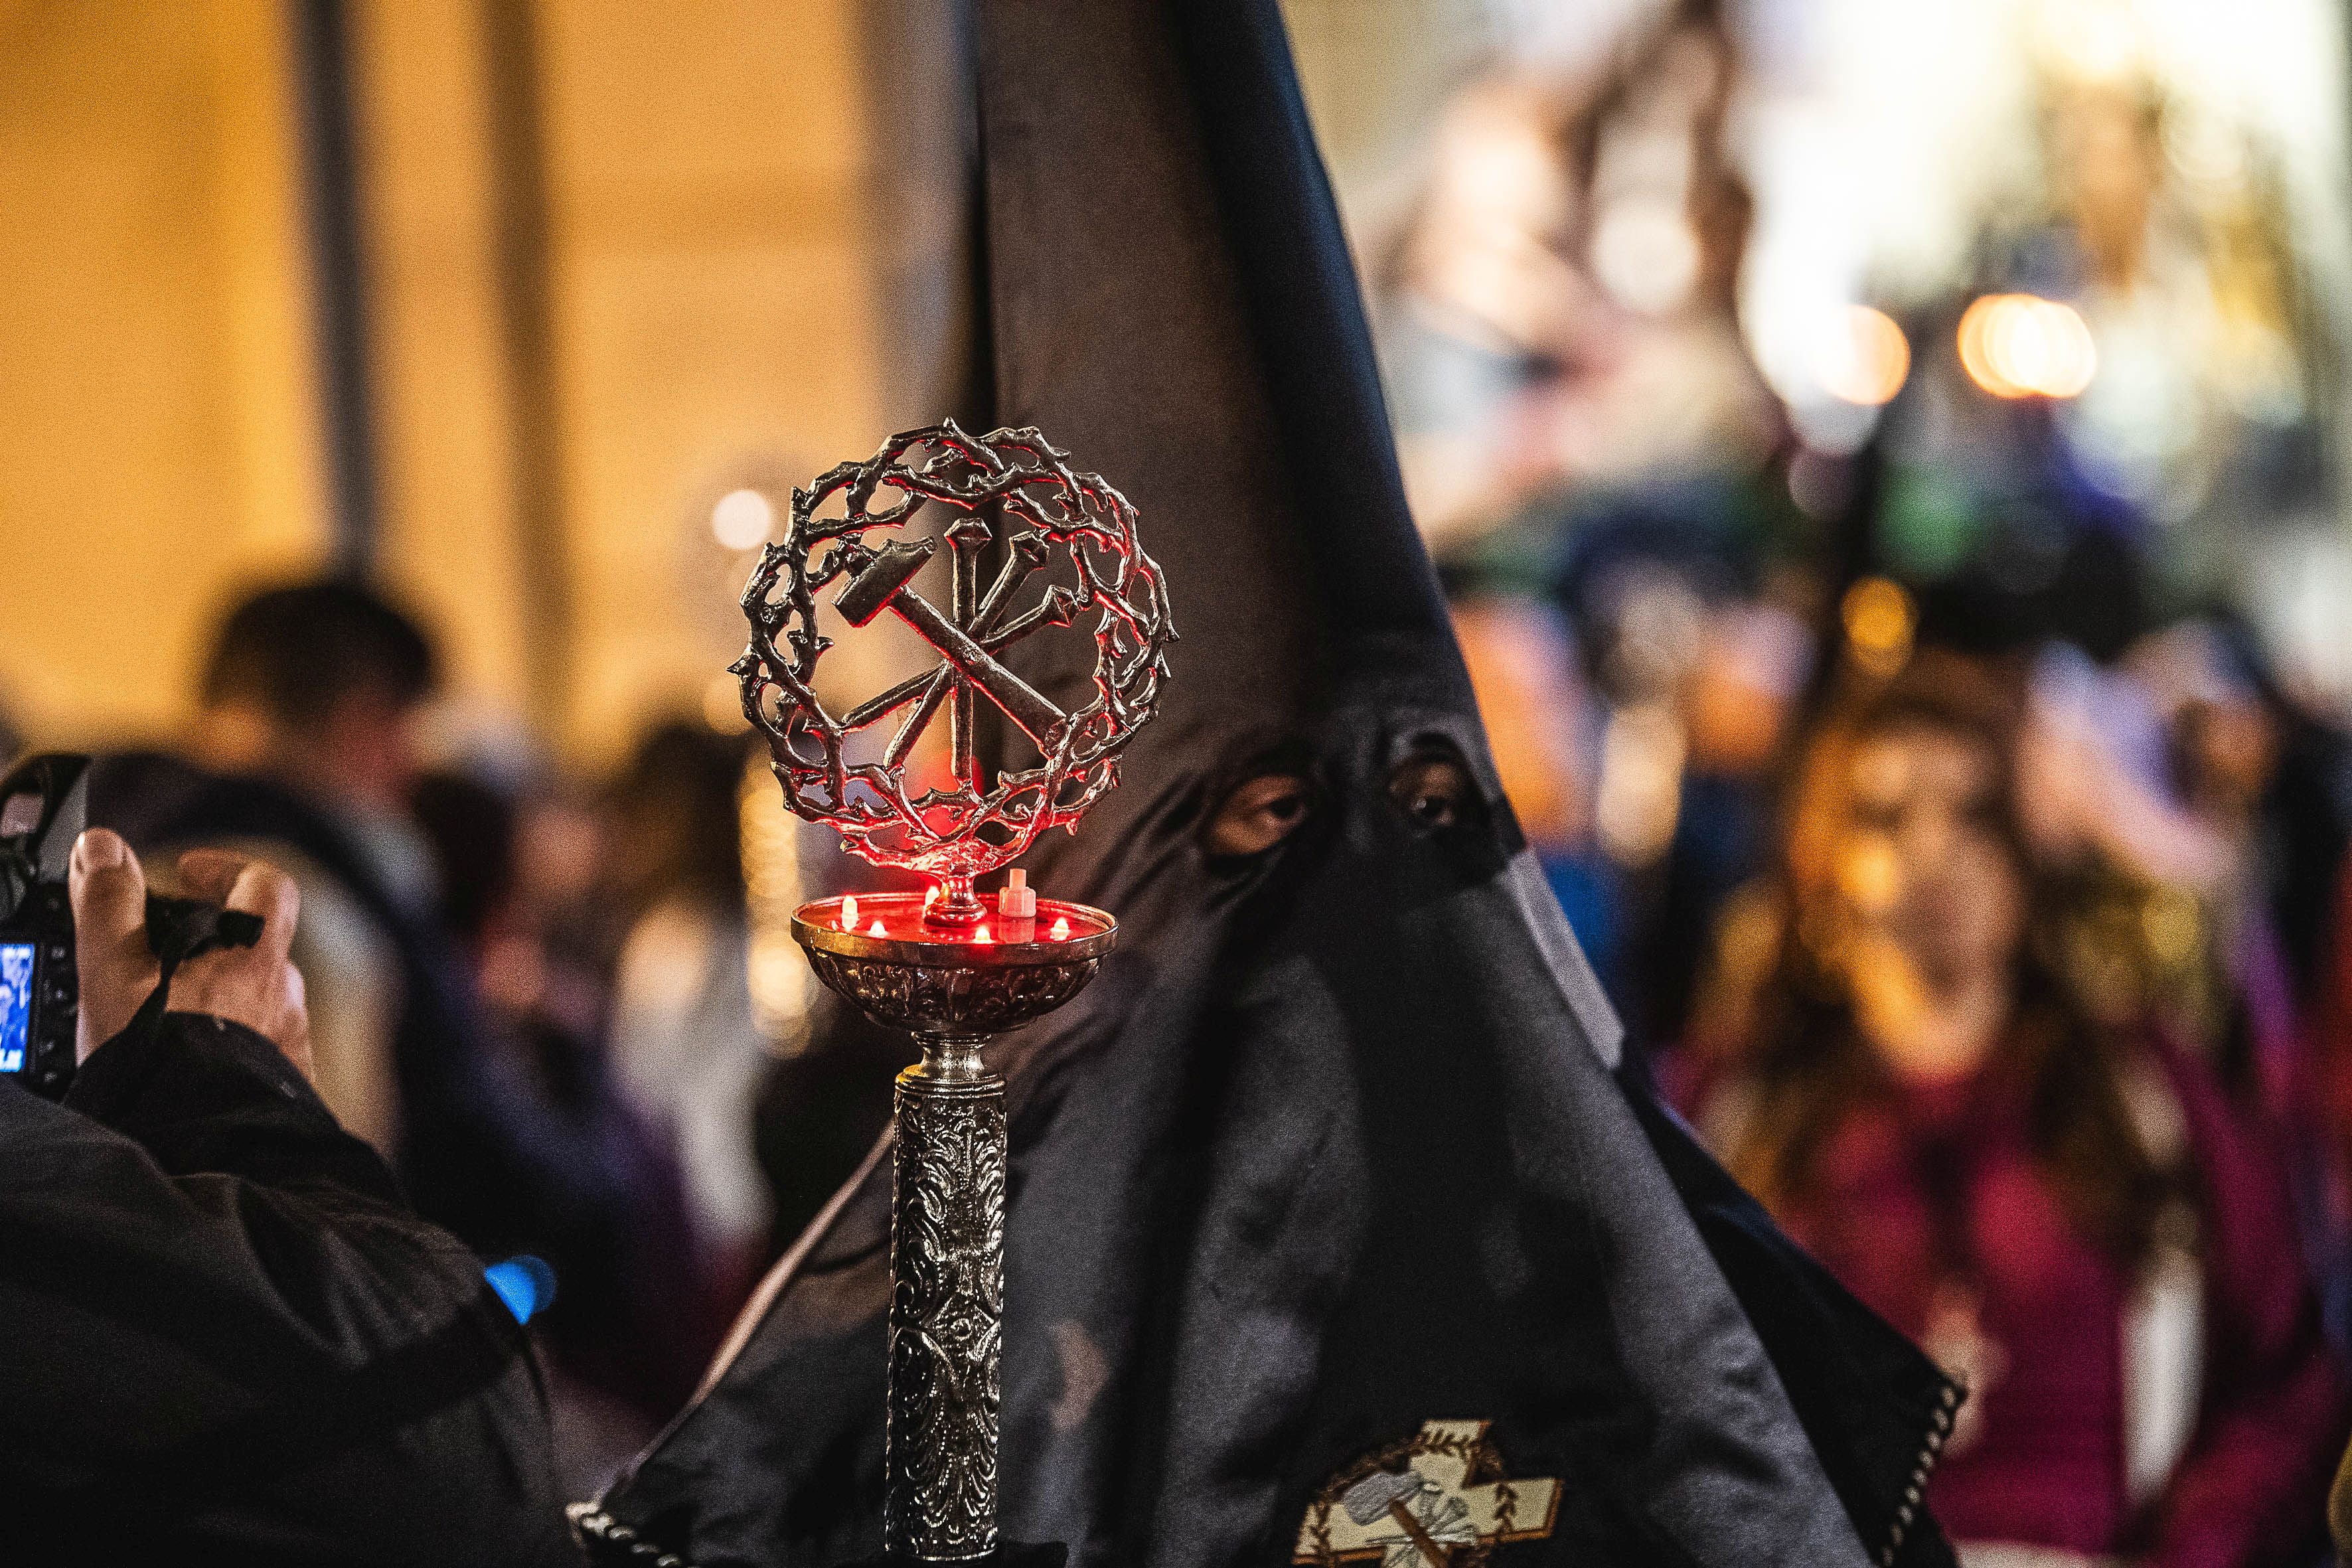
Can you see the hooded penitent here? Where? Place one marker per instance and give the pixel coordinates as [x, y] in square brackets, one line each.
[1336, 1231]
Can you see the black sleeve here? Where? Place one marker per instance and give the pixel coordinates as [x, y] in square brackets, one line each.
[221, 1333]
[203, 1096]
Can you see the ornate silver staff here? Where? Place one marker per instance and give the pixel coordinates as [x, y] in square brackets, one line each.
[947, 964]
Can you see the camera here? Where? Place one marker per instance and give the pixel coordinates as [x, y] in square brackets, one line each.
[43, 807]
[44, 802]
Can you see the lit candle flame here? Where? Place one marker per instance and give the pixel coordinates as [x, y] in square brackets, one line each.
[1062, 929]
[981, 935]
[849, 912]
[875, 929]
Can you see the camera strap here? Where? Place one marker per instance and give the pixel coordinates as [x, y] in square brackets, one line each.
[177, 931]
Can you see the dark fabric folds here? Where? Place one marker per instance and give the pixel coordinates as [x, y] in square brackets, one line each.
[231, 1341]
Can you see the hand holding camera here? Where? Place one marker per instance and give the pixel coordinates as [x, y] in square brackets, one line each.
[223, 950]
[256, 986]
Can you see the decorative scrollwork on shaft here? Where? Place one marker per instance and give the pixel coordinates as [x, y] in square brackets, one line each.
[947, 1315]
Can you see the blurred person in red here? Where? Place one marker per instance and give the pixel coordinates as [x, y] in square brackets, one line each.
[2069, 1217]
[2266, 781]
[2197, 812]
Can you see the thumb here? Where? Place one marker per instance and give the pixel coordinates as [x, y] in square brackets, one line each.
[109, 891]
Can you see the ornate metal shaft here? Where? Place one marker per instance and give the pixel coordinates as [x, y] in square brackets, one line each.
[946, 1304]
[953, 991]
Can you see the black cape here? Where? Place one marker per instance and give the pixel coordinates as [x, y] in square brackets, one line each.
[226, 1338]
[1343, 1142]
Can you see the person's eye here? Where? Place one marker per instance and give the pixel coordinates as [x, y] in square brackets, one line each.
[1434, 791]
[1258, 814]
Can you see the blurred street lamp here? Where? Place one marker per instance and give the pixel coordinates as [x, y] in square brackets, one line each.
[741, 518]
[2016, 346]
[1879, 621]
[1864, 358]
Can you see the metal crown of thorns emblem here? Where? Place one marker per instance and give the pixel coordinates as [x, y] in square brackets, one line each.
[944, 964]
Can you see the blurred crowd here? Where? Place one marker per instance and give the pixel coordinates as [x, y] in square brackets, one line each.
[1970, 867]
[1969, 862]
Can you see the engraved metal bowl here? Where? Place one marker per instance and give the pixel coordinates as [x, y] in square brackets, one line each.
[946, 981]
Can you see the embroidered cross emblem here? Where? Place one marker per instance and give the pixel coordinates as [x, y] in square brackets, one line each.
[1440, 1499]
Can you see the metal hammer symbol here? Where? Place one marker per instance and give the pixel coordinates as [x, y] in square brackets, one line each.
[881, 584]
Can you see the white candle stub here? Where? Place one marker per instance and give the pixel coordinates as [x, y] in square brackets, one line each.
[1017, 900]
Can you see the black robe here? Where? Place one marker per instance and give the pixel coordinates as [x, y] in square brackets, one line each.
[1339, 1167]
[226, 1338]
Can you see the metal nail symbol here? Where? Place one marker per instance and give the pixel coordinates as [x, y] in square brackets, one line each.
[1069, 550]
[883, 585]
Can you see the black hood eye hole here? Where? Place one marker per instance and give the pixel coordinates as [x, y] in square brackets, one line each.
[1259, 814]
[1433, 791]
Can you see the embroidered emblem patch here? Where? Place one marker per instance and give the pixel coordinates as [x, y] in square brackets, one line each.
[1439, 1499]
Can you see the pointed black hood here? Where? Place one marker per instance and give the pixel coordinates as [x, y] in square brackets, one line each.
[1331, 1180]
[1169, 298]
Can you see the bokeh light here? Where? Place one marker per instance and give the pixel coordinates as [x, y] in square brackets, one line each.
[2091, 40]
[1645, 254]
[2016, 346]
[741, 518]
[779, 975]
[1868, 874]
[1864, 358]
[1879, 621]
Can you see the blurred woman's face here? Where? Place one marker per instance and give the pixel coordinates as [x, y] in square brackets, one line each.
[1922, 865]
